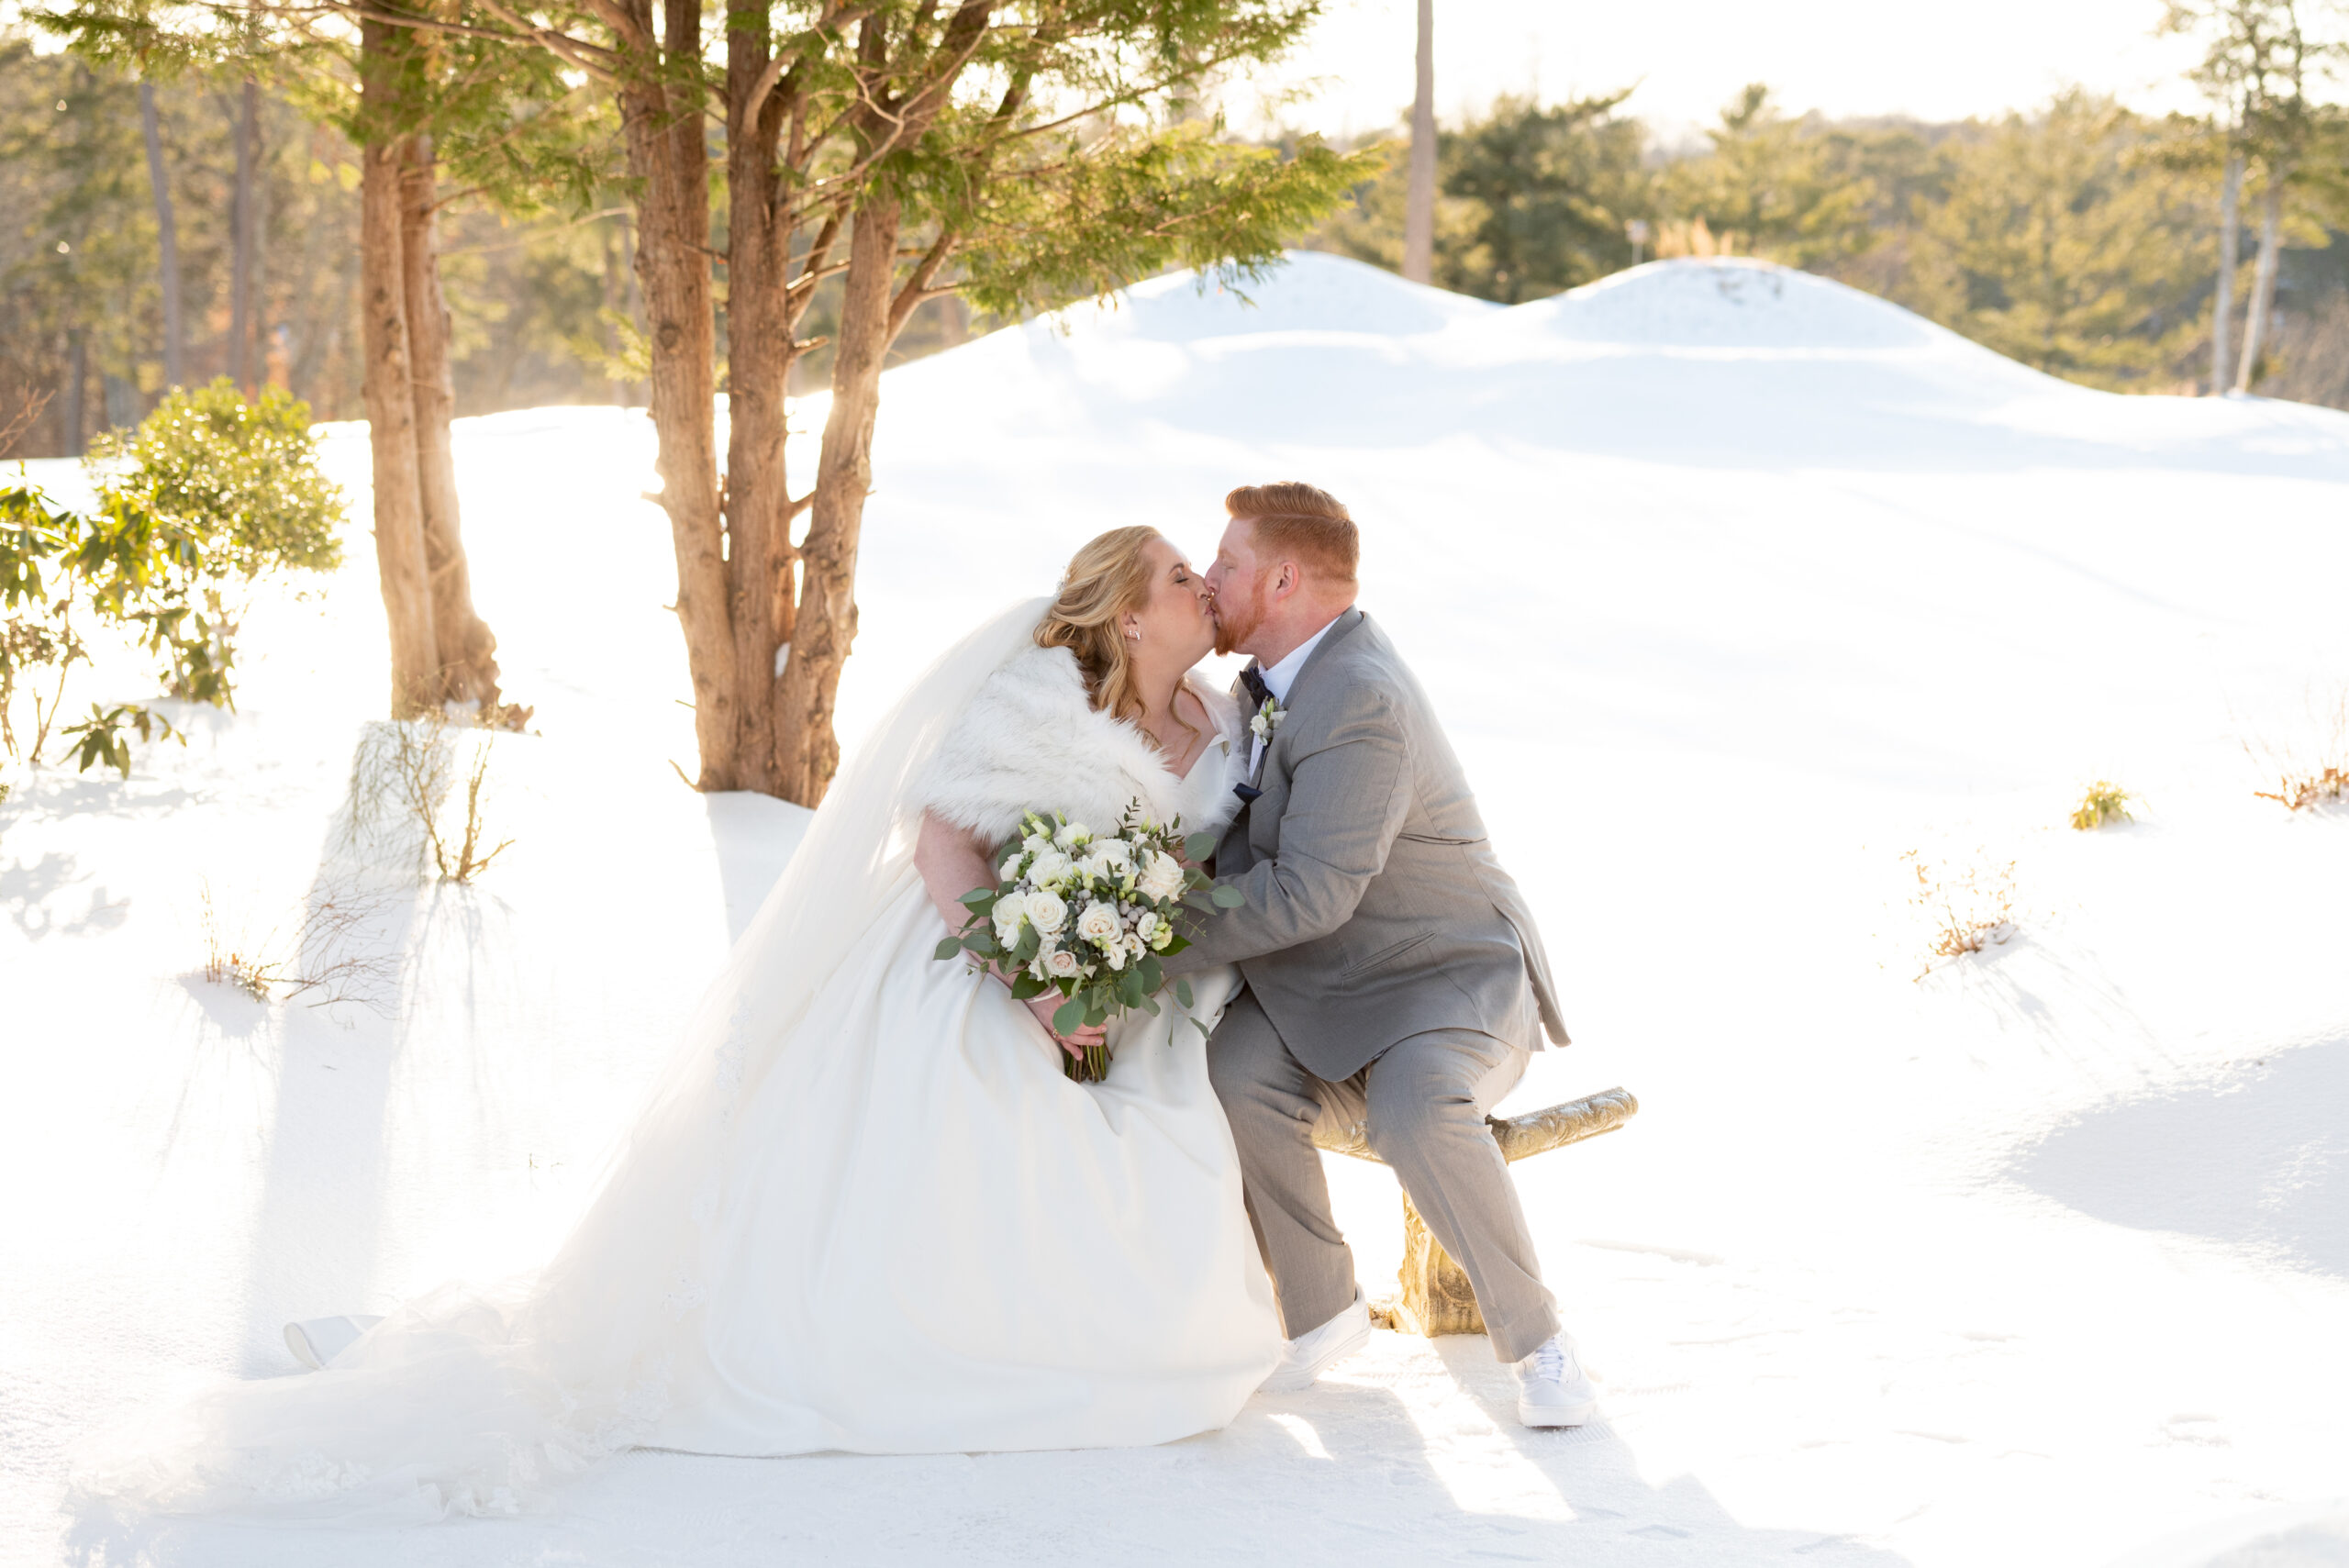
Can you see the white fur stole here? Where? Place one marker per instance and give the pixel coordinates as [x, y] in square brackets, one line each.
[1032, 741]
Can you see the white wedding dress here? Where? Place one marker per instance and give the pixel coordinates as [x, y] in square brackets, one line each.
[864, 1211]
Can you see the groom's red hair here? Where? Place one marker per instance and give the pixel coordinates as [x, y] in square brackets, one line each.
[1299, 522]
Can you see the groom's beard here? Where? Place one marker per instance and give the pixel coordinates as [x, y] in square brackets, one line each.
[1238, 615]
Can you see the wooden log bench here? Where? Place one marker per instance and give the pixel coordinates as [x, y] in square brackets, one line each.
[1436, 1297]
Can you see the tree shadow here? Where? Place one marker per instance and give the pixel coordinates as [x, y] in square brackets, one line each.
[28, 889]
[754, 836]
[2257, 1158]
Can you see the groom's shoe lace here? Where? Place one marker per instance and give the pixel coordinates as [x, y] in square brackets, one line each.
[1549, 1361]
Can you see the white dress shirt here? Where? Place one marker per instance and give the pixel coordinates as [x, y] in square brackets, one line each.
[1278, 679]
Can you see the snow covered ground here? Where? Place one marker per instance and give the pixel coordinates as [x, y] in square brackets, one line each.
[1735, 585]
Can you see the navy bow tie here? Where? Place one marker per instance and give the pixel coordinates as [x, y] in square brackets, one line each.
[1253, 678]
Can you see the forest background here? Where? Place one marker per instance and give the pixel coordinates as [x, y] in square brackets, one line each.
[2081, 238]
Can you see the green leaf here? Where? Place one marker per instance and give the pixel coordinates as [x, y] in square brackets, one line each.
[1202, 1029]
[1227, 896]
[979, 898]
[981, 943]
[1199, 846]
[1198, 900]
[1027, 987]
[1183, 991]
[1152, 975]
[947, 949]
[1069, 1017]
[1029, 945]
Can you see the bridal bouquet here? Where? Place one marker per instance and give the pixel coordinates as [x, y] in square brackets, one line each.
[1090, 915]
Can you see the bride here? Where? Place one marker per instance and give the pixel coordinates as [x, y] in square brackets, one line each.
[864, 1209]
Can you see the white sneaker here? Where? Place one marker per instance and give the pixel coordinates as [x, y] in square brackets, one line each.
[314, 1341]
[1551, 1388]
[1314, 1351]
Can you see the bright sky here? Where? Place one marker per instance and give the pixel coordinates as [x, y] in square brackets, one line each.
[1844, 57]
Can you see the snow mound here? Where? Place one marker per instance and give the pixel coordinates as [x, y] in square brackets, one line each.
[1309, 291]
[1728, 303]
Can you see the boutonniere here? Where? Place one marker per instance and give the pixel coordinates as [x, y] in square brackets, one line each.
[1268, 718]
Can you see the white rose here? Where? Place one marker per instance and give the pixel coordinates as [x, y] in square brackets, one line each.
[1008, 917]
[1049, 868]
[1099, 924]
[1061, 964]
[1162, 877]
[1115, 852]
[1009, 870]
[1045, 911]
[1136, 944]
[1146, 926]
[1036, 843]
[1073, 835]
[1095, 867]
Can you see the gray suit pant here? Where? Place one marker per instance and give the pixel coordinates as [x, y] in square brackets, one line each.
[1423, 1102]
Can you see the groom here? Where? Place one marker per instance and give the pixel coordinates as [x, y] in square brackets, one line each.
[1394, 977]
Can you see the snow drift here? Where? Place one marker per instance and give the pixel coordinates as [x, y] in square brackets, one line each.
[1735, 584]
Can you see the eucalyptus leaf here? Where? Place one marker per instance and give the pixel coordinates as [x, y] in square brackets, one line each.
[1199, 846]
[1183, 991]
[1068, 1017]
[1227, 897]
[947, 949]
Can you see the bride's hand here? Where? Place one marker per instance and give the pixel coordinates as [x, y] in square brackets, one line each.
[1050, 1002]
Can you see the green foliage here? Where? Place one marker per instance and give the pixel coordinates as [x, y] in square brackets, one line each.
[241, 478]
[2061, 246]
[103, 737]
[2078, 238]
[2104, 802]
[1085, 217]
[209, 495]
[1772, 187]
[232, 492]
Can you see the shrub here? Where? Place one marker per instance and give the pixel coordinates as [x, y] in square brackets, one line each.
[2105, 801]
[241, 481]
[2311, 767]
[210, 494]
[1966, 906]
[406, 778]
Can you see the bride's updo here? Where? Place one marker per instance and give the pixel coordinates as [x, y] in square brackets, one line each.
[1104, 578]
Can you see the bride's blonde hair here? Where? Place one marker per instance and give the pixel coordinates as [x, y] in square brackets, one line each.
[1108, 577]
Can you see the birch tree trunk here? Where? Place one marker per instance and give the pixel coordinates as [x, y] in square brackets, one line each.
[2230, 241]
[2262, 280]
[464, 648]
[1419, 209]
[391, 404]
[807, 754]
[660, 118]
[167, 232]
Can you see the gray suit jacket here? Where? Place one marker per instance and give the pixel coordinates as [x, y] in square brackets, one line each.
[1375, 907]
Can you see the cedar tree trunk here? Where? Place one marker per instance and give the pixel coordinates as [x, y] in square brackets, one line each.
[463, 645]
[760, 349]
[807, 752]
[660, 116]
[385, 384]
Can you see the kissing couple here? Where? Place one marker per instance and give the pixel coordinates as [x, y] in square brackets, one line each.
[867, 1210]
